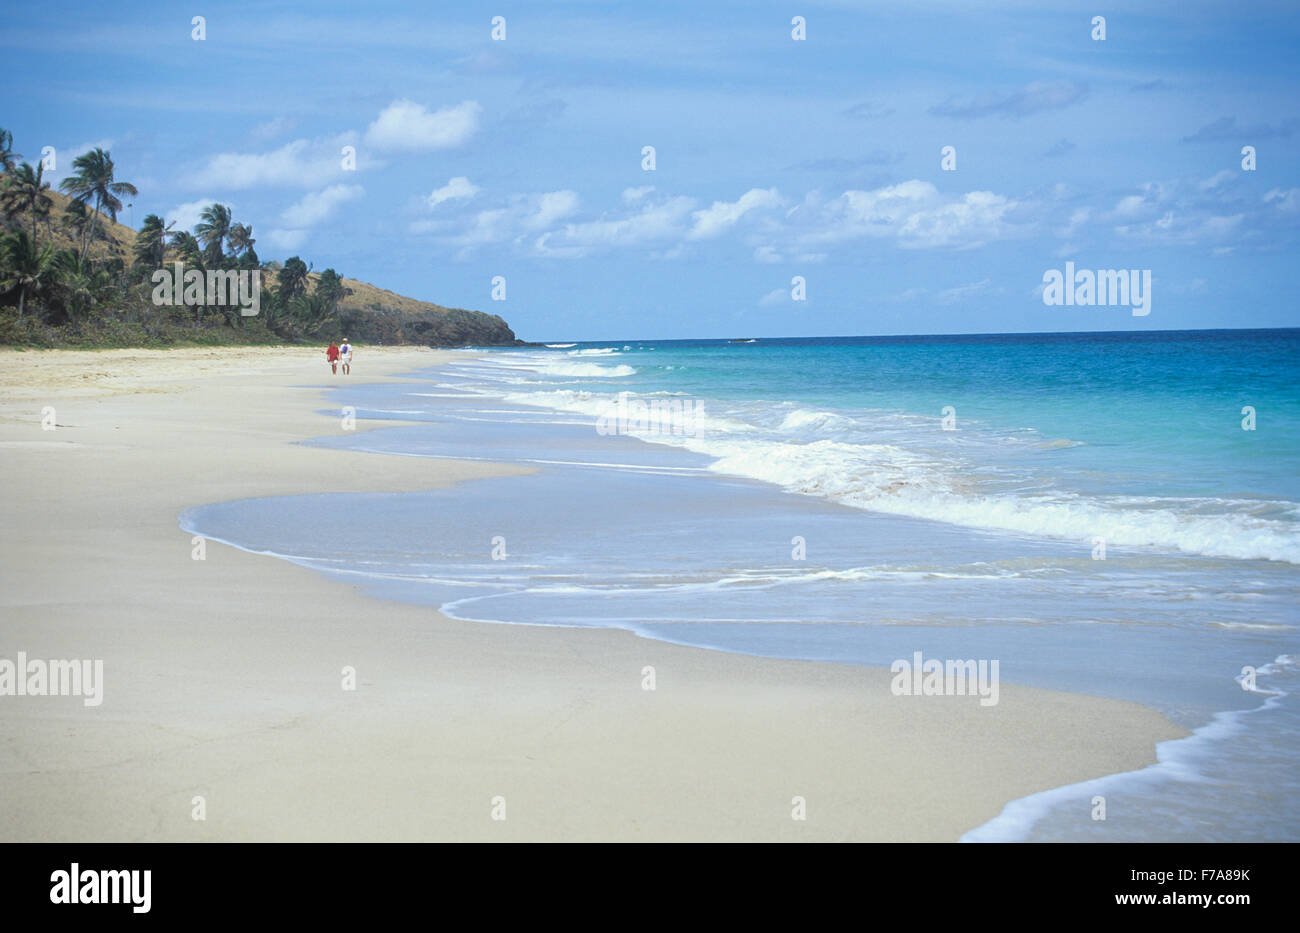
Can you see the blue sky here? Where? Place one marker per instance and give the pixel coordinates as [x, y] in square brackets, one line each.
[774, 157]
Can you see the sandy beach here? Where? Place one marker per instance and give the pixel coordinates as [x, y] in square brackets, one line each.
[223, 676]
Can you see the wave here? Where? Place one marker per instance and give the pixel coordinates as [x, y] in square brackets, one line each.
[906, 477]
[589, 370]
[802, 418]
[551, 366]
[1176, 760]
[886, 478]
[672, 415]
[1256, 626]
[561, 346]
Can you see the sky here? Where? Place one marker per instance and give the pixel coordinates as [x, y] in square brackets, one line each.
[777, 160]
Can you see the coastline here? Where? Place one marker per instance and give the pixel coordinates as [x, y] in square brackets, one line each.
[222, 676]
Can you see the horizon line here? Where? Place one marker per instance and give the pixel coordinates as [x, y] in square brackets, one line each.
[1029, 333]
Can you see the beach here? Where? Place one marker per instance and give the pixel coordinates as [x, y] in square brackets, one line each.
[224, 677]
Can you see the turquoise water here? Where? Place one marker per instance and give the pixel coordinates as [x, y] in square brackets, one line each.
[1161, 411]
[1096, 519]
[1073, 435]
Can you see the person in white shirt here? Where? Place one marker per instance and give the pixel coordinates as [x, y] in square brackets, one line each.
[345, 356]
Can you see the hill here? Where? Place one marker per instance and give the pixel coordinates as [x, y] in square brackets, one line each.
[367, 313]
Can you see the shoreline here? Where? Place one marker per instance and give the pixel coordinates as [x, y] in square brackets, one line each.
[223, 675]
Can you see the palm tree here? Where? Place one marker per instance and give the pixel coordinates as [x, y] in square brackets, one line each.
[76, 221]
[151, 242]
[293, 280]
[330, 288]
[72, 282]
[189, 252]
[187, 248]
[7, 155]
[25, 267]
[78, 283]
[24, 190]
[213, 228]
[310, 310]
[94, 179]
[240, 239]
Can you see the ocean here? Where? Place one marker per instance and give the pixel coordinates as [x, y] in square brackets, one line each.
[1116, 514]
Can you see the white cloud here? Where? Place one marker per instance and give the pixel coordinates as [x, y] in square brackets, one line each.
[81, 149]
[722, 215]
[1221, 226]
[979, 216]
[64, 155]
[317, 206]
[775, 297]
[300, 164]
[459, 188]
[912, 213]
[1154, 195]
[634, 195]
[1078, 218]
[1183, 229]
[1217, 179]
[551, 207]
[1130, 206]
[1193, 212]
[520, 217]
[655, 222]
[856, 214]
[1288, 200]
[407, 126]
[186, 216]
[487, 227]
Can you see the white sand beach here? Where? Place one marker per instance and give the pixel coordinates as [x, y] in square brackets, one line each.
[222, 677]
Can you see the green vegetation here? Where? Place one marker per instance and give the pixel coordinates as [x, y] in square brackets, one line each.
[72, 276]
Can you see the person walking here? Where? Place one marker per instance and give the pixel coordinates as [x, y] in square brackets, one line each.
[332, 355]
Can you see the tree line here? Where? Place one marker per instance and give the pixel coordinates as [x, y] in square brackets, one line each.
[67, 276]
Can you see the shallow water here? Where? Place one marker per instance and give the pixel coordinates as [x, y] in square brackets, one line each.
[900, 537]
